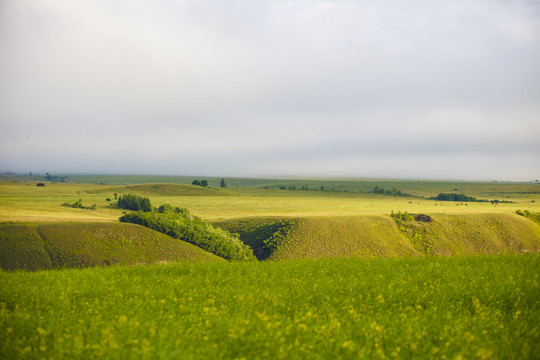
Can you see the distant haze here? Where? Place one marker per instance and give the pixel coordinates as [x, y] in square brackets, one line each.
[430, 89]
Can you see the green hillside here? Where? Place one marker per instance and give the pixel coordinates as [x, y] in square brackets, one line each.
[46, 246]
[381, 236]
[473, 234]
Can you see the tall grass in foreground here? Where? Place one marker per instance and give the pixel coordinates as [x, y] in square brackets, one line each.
[471, 307]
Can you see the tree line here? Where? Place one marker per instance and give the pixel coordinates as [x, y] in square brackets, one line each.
[204, 183]
[464, 198]
[393, 192]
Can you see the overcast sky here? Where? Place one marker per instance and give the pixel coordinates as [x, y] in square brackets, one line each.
[376, 88]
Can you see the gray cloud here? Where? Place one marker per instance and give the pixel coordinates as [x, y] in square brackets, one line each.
[334, 88]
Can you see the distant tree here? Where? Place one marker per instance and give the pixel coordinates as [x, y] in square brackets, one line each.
[222, 183]
[204, 183]
[196, 182]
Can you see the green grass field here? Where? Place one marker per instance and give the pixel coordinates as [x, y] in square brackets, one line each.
[484, 307]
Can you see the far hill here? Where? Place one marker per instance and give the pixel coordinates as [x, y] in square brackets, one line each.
[381, 236]
[59, 245]
[172, 190]
[158, 190]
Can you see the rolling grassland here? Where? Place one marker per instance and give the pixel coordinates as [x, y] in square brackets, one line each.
[314, 224]
[482, 307]
[341, 278]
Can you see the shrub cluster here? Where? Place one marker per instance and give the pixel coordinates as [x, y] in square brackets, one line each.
[134, 202]
[178, 223]
[405, 217]
[78, 205]
[525, 213]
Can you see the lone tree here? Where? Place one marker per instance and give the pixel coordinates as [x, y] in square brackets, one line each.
[222, 183]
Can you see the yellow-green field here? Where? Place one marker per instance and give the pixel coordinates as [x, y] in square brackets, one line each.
[23, 201]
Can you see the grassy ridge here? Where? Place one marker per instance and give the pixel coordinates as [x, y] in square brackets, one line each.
[380, 236]
[160, 189]
[473, 234]
[362, 236]
[60, 245]
[471, 308]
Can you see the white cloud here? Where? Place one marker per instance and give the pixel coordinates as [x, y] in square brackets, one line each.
[523, 31]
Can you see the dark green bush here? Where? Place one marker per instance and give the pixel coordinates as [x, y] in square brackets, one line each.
[134, 202]
[203, 182]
